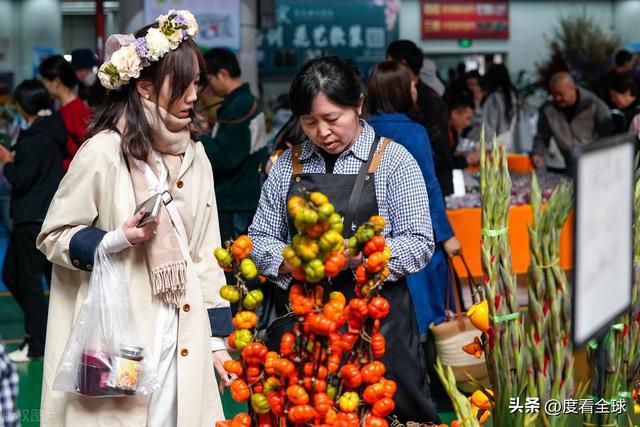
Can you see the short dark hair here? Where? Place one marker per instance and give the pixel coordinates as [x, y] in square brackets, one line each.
[220, 58]
[460, 100]
[57, 67]
[623, 82]
[389, 88]
[622, 57]
[336, 78]
[473, 74]
[408, 51]
[32, 96]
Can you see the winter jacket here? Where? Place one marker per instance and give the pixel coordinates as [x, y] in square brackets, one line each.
[428, 286]
[37, 168]
[237, 150]
[434, 118]
[622, 118]
[591, 120]
[413, 136]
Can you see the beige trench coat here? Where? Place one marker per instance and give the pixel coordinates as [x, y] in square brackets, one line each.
[97, 191]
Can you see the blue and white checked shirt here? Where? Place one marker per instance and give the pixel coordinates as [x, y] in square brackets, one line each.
[402, 201]
[9, 415]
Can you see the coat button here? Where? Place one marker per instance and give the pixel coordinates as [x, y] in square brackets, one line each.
[180, 184]
[89, 267]
[186, 307]
[184, 352]
[76, 263]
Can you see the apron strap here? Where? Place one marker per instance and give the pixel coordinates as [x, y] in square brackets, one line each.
[377, 157]
[296, 164]
[356, 192]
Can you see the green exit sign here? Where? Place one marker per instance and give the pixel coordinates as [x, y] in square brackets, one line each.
[464, 43]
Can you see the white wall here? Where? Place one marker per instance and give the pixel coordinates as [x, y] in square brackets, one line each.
[6, 36]
[531, 24]
[26, 24]
[36, 23]
[627, 19]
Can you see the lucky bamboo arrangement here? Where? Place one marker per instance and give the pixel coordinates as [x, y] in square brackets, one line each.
[550, 358]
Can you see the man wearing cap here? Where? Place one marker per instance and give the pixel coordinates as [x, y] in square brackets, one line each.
[84, 64]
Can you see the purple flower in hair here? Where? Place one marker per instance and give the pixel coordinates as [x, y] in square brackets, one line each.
[140, 45]
[185, 35]
[180, 20]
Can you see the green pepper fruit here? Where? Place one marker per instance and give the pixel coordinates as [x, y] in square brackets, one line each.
[248, 269]
[353, 247]
[242, 338]
[253, 299]
[325, 211]
[260, 403]
[332, 391]
[336, 223]
[365, 235]
[230, 293]
[306, 248]
[223, 257]
[290, 257]
[314, 271]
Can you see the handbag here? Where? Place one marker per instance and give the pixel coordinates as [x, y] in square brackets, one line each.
[457, 331]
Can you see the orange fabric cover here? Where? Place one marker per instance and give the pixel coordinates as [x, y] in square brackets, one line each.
[466, 226]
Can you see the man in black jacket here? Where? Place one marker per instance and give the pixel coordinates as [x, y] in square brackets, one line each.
[34, 172]
[433, 111]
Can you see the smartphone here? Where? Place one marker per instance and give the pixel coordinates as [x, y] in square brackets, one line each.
[151, 208]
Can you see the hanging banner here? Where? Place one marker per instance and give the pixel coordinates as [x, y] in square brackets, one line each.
[219, 20]
[359, 30]
[464, 19]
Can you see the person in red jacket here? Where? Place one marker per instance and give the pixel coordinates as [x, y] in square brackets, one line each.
[60, 80]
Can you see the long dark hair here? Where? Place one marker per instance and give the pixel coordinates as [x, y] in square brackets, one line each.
[389, 89]
[178, 66]
[497, 78]
[336, 78]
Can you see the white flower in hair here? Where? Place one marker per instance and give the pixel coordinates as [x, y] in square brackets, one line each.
[109, 76]
[190, 21]
[127, 62]
[157, 44]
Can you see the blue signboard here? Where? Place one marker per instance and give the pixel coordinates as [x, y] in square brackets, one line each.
[359, 30]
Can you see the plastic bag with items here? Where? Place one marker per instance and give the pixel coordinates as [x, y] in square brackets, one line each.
[104, 356]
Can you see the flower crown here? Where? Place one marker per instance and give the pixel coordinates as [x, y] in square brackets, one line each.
[134, 54]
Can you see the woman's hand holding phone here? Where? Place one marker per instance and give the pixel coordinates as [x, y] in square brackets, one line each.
[135, 234]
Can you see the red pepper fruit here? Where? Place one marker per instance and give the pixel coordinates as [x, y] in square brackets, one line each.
[378, 308]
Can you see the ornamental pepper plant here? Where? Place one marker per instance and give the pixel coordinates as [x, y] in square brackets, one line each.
[327, 370]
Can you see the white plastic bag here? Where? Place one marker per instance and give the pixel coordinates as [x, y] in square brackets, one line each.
[104, 356]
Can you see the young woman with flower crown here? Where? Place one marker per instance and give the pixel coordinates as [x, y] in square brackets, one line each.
[140, 145]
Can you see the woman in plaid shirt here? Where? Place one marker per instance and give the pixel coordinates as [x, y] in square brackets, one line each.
[325, 95]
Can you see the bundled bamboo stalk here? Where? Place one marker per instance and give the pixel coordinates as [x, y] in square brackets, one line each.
[550, 361]
[504, 341]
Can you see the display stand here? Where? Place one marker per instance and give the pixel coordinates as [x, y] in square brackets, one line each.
[603, 247]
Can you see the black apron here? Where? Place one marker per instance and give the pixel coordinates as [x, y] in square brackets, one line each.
[404, 358]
